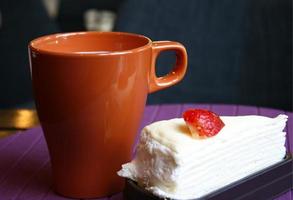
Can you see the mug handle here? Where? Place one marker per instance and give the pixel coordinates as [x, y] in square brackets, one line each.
[177, 73]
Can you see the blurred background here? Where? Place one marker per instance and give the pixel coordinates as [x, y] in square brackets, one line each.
[240, 51]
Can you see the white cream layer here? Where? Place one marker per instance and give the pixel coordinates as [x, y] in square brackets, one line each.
[170, 163]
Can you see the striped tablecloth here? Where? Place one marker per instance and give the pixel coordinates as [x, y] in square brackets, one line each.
[24, 161]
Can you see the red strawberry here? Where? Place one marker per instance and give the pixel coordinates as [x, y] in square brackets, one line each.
[203, 122]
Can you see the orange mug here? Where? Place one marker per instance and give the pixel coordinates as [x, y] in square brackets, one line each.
[90, 91]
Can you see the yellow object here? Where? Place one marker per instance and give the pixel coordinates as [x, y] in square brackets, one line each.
[12, 120]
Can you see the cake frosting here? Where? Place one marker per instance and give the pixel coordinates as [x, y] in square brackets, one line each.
[169, 163]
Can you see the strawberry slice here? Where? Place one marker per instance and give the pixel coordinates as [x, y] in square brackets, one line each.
[203, 123]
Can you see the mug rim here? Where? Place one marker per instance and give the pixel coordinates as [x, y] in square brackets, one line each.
[32, 44]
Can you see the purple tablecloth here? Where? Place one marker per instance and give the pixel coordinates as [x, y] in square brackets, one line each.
[24, 161]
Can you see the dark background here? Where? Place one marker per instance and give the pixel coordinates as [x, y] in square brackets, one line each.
[240, 51]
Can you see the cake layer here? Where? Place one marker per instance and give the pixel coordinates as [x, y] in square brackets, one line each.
[170, 163]
[175, 134]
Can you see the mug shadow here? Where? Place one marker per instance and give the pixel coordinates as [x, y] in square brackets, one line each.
[24, 179]
[25, 169]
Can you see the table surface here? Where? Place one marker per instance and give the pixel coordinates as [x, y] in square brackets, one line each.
[24, 161]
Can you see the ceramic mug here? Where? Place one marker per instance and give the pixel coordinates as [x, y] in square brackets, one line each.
[90, 91]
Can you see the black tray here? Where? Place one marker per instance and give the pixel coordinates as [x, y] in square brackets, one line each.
[265, 184]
